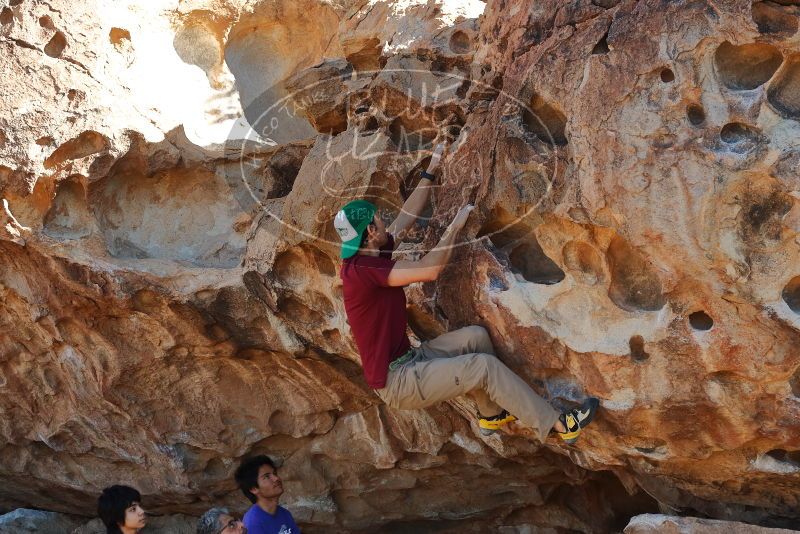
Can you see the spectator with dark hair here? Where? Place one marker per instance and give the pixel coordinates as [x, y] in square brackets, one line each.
[258, 479]
[119, 508]
[220, 521]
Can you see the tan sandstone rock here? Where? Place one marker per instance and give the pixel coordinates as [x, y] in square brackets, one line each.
[169, 295]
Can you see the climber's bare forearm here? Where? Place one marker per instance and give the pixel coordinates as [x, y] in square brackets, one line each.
[412, 209]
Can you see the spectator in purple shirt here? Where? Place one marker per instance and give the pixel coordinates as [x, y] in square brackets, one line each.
[258, 479]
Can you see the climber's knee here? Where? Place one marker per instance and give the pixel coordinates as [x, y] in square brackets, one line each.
[479, 338]
[476, 332]
[485, 362]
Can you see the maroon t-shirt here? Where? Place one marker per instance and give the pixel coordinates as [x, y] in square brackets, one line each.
[376, 312]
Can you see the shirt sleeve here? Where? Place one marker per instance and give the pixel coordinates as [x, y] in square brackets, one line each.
[376, 272]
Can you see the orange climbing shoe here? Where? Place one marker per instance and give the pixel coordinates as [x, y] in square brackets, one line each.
[576, 420]
[490, 425]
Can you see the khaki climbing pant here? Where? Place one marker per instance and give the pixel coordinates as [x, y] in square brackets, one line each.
[463, 362]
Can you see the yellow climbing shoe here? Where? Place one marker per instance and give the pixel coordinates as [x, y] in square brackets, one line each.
[576, 420]
[490, 425]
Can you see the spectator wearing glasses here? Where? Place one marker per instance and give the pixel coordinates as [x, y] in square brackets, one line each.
[220, 521]
[258, 479]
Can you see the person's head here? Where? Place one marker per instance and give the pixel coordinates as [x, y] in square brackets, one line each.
[119, 508]
[359, 226]
[258, 478]
[375, 235]
[220, 521]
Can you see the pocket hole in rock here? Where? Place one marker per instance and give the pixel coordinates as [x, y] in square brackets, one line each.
[696, 114]
[584, 260]
[791, 294]
[748, 66]
[459, 42]
[290, 268]
[463, 89]
[784, 456]
[6, 16]
[46, 22]
[69, 216]
[86, 144]
[297, 311]
[763, 207]
[284, 166]
[784, 93]
[441, 65]
[770, 18]
[700, 320]
[636, 345]
[55, 47]
[452, 131]
[740, 137]
[726, 378]
[634, 284]
[794, 383]
[667, 75]
[370, 125]
[650, 445]
[534, 265]
[545, 121]
[525, 254]
[602, 46]
[293, 267]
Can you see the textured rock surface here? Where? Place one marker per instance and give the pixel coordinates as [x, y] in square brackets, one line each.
[170, 301]
[23, 521]
[27, 521]
[660, 524]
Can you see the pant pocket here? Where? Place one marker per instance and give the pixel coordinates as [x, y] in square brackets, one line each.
[402, 390]
[419, 369]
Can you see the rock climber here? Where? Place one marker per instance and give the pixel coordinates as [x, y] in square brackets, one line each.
[453, 364]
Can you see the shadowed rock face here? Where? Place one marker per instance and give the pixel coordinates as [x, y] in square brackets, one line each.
[169, 274]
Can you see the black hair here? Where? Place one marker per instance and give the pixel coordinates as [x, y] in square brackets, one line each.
[247, 474]
[112, 504]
